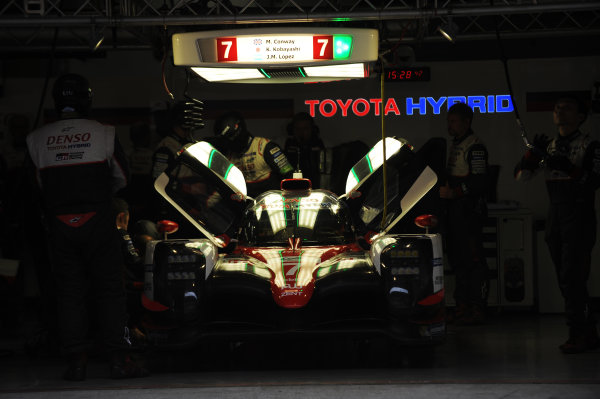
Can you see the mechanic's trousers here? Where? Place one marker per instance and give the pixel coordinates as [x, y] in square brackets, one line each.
[88, 268]
[464, 246]
[570, 235]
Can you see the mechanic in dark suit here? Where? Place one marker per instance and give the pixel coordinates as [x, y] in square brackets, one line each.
[262, 162]
[572, 173]
[304, 148]
[80, 165]
[464, 193]
[180, 133]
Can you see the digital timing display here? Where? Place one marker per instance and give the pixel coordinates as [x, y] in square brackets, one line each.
[421, 74]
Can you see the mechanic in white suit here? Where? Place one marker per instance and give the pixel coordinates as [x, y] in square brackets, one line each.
[80, 165]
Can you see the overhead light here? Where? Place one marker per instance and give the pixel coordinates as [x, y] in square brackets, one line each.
[258, 75]
[448, 30]
[228, 74]
[339, 71]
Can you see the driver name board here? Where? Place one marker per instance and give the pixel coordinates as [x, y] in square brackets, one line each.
[268, 46]
[270, 49]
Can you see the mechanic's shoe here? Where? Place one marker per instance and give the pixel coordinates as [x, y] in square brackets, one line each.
[582, 341]
[123, 366]
[76, 369]
[460, 311]
[574, 345]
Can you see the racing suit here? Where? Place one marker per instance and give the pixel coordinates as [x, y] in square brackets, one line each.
[80, 165]
[467, 177]
[263, 164]
[571, 224]
[166, 152]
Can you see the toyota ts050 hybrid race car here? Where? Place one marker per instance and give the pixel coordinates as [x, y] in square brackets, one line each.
[295, 260]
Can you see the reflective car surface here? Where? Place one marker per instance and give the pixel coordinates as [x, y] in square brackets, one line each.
[295, 260]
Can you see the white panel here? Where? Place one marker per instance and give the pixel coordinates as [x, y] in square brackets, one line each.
[200, 48]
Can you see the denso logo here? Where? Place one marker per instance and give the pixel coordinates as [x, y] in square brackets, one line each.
[421, 105]
[68, 138]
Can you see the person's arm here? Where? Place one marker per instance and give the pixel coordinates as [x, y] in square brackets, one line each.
[161, 159]
[277, 161]
[131, 255]
[588, 173]
[530, 163]
[119, 167]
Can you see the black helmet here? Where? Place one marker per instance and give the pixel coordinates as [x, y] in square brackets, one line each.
[461, 109]
[72, 93]
[232, 127]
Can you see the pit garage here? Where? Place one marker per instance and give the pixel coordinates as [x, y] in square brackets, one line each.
[365, 72]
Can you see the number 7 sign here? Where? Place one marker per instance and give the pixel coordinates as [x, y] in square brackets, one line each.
[226, 49]
[323, 47]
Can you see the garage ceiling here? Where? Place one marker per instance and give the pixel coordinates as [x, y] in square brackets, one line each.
[408, 28]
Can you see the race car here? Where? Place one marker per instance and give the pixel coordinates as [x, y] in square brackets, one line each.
[296, 261]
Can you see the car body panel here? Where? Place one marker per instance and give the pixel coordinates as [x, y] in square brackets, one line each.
[206, 189]
[406, 182]
[291, 260]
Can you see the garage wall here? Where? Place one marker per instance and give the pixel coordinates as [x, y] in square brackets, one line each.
[498, 130]
[133, 80]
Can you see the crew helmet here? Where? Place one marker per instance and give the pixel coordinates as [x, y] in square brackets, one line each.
[232, 127]
[72, 93]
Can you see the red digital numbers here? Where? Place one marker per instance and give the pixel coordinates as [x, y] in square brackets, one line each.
[227, 49]
[407, 74]
[323, 47]
[401, 75]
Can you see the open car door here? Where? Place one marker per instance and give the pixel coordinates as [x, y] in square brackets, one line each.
[207, 189]
[405, 182]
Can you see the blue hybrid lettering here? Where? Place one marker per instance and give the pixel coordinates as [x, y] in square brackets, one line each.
[482, 104]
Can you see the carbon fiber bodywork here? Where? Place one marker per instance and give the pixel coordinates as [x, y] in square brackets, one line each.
[295, 261]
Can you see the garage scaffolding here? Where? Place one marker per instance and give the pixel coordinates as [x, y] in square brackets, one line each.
[27, 25]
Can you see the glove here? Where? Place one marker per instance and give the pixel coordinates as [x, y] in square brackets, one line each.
[560, 162]
[540, 145]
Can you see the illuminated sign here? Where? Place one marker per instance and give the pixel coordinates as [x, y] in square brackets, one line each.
[278, 55]
[273, 46]
[282, 48]
[421, 105]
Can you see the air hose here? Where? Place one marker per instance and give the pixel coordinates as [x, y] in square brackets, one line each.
[509, 84]
[385, 191]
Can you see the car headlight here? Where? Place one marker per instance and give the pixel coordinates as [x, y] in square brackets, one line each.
[178, 279]
[406, 267]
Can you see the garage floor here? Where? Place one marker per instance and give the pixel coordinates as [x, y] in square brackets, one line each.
[514, 356]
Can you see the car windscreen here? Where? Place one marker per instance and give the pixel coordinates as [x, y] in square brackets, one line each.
[202, 196]
[317, 219]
